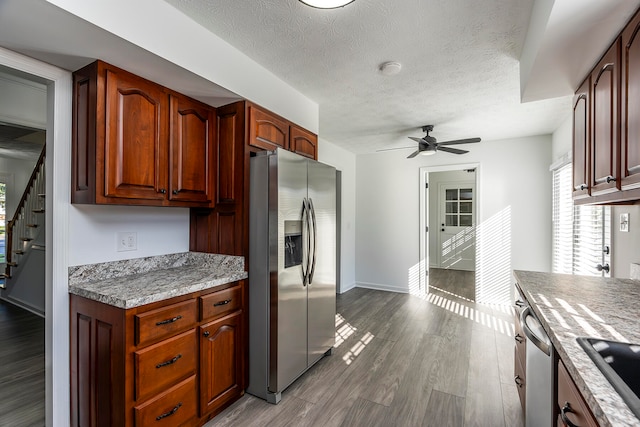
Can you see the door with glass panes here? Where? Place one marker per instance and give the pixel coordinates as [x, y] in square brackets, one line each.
[457, 234]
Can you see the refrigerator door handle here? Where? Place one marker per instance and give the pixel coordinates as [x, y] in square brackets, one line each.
[305, 241]
[312, 266]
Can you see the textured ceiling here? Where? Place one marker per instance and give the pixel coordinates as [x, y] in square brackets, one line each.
[459, 65]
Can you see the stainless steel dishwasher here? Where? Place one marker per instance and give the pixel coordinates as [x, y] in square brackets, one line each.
[539, 372]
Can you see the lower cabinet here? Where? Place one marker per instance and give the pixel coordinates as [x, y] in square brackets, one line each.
[178, 362]
[573, 410]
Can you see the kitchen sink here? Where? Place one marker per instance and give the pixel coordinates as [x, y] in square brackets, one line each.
[619, 362]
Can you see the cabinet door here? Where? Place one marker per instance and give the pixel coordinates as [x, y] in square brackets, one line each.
[266, 130]
[605, 142]
[303, 142]
[221, 356]
[192, 147]
[581, 141]
[630, 106]
[135, 148]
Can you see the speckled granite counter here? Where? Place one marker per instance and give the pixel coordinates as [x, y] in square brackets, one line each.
[573, 306]
[135, 282]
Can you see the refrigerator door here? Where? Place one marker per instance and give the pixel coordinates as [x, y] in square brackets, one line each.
[322, 287]
[288, 293]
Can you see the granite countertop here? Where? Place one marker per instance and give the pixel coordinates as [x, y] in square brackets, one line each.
[135, 282]
[571, 306]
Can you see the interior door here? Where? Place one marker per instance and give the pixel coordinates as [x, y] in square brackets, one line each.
[456, 232]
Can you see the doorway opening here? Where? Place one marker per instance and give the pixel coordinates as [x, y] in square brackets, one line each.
[448, 220]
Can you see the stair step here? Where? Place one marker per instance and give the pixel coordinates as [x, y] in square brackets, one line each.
[41, 195]
[32, 225]
[12, 264]
[26, 239]
[19, 252]
[41, 210]
[37, 246]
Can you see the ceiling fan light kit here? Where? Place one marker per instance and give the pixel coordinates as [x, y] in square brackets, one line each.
[326, 4]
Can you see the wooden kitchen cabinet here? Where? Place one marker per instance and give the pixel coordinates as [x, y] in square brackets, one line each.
[267, 131]
[138, 143]
[571, 404]
[303, 142]
[174, 362]
[630, 107]
[581, 140]
[605, 139]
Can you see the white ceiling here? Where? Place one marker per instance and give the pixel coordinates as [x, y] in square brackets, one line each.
[461, 59]
[460, 62]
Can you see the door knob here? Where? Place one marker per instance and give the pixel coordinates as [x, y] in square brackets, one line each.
[604, 268]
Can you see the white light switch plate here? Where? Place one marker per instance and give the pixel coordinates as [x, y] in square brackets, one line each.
[624, 222]
[127, 241]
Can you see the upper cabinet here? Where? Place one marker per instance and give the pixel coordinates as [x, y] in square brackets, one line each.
[630, 138]
[138, 143]
[606, 125]
[581, 140]
[266, 130]
[605, 142]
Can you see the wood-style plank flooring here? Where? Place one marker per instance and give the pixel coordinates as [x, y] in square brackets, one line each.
[22, 377]
[402, 360]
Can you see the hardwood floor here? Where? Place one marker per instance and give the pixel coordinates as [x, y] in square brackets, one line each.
[457, 282]
[22, 390]
[402, 360]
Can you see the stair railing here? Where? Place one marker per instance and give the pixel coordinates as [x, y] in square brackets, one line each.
[24, 219]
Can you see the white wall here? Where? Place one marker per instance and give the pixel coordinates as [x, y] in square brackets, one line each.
[561, 140]
[93, 228]
[344, 161]
[514, 188]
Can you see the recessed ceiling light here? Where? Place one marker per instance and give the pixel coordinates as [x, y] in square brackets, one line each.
[327, 4]
[390, 68]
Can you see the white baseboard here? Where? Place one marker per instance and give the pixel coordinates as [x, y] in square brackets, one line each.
[347, 288]
[380, 287]
[22, 304]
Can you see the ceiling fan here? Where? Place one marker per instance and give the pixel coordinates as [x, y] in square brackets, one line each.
[429, 145]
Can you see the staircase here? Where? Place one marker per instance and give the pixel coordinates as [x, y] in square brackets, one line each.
[25, 245]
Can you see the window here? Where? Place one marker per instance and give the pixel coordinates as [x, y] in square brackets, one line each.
[580, 233]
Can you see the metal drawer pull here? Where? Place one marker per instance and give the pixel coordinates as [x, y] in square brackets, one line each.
[519, 338]
[610, 179]
[171, 412]
[563, 413]
[219, 303]
[165, 322]
[520, 303]
[169, 362]
[518, 380]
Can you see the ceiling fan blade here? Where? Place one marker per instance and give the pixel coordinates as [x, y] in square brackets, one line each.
[452, 150]
[460, 141]
[412, 155]
[418, 140]
[393, 149]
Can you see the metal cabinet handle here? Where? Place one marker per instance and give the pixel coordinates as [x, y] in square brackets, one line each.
[163, 191]
[519, 338]
[566, 409]
[583, 186]
[206, 333]
[175, 191]
[169, 362]
[219, 303]
[601, 267]
[518, 381]
[520, 303]
[171, 412]
[164, 322]
[610, 179]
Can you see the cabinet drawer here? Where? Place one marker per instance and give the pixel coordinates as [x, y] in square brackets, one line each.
[569, 397]
[165, 321]
[164, 364]
[520, 379]
[221, 302]
[170, 409]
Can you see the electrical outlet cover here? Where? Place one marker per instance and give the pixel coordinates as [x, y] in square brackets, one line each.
[126, 241]
[624, 222]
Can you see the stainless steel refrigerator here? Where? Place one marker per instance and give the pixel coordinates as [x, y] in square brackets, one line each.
[292, 269]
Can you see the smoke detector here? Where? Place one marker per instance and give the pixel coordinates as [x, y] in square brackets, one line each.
[390, 68]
